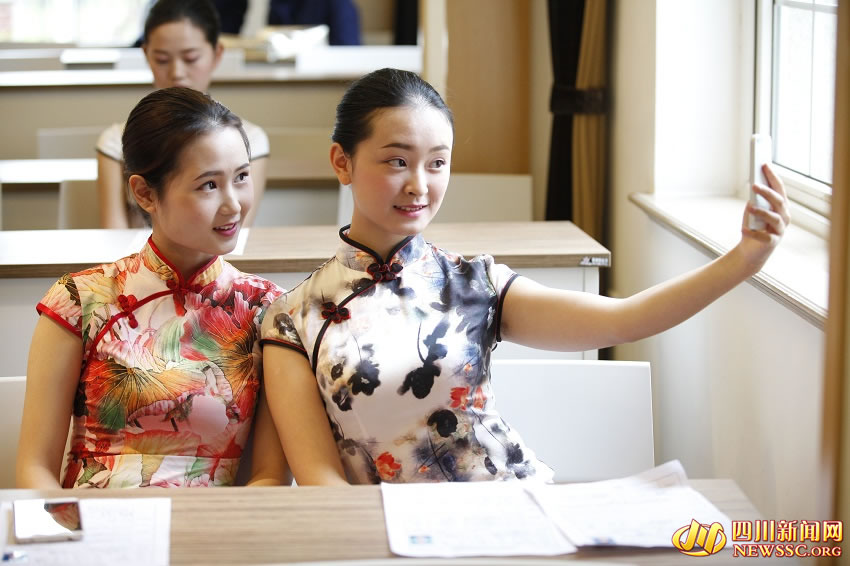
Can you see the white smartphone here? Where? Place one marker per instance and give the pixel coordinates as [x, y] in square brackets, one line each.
[45, 520]
[760, 153]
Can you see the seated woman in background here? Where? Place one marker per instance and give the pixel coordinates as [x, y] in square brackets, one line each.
[157, 354]
[391, 338]
[181, 46]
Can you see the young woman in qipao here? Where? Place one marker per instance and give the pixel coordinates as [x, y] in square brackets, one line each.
[156, 356]
[378, 365]
[182, 48]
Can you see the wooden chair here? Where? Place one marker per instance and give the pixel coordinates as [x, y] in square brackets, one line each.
[587, 420]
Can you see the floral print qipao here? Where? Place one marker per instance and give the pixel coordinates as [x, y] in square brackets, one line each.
[401, 351]
[171, 370]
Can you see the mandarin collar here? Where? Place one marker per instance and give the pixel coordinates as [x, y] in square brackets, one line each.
[355, 255]
[159, 264]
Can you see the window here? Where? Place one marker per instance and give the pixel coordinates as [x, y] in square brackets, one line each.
[795, 93]
[79, 22]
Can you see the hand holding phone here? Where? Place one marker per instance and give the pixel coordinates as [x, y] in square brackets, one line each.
[760, 154]
[45, 520]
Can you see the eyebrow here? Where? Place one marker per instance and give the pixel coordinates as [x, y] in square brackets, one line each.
[409, 147]
[166, 52]
[217, 172]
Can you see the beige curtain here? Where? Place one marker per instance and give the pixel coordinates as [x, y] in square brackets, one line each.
[836, 436]
[589, 130]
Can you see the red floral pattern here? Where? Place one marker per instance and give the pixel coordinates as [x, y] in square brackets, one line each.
[168, 398]
[386, 466]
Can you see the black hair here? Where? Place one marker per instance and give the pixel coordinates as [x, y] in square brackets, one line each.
[384, 88]
[162, 124]
[202, 14]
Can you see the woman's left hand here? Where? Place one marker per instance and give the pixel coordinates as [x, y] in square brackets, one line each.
[757, 245]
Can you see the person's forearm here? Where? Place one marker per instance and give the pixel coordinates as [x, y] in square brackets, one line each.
[667, 304]
[35, 477]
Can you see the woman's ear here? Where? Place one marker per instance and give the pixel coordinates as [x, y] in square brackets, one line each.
[341, 164]
[217, 53]
[144, 195]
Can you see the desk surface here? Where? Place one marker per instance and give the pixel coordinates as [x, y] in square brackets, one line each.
[284, 249]
[241, 525]
[26, 171]
[282, 169]
[115, 77]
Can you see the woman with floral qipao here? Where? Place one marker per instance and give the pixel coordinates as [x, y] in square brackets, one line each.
[156, 355]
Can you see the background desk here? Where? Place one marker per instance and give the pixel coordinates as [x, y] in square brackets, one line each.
[554, 253]
[243, 525]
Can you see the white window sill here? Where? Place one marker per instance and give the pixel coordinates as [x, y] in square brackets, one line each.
[796, 275]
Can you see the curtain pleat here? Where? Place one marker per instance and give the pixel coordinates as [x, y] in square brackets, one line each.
[589, 138]
[565, 23]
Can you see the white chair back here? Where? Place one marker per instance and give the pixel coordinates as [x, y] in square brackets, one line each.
[11, 409]
[298, 154]
[587, 420]
[68, 143]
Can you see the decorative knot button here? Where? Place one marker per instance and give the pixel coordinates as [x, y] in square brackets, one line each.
[334, 313]
[384, 271]
[127, 304]
[172, 284]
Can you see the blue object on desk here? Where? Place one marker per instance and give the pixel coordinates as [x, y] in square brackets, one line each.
[14, 556]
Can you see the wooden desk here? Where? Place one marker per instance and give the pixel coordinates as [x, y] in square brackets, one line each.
[243, 525]
[47, 171]
[270, 96]
[557, 254]
[287, 249]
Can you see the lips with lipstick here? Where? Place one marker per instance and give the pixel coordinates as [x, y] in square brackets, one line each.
[411, 208]
[227, 229]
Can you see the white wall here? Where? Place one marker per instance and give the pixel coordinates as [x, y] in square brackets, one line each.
[737, 389]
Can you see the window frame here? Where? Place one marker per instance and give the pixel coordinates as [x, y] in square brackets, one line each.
[811, 199]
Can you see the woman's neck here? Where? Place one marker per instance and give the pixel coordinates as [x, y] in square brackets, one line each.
[186, 263]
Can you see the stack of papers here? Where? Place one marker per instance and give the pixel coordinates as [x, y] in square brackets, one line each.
[515, 519]
[116, 531]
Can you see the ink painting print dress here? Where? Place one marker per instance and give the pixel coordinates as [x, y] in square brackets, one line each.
[171, 370]
[401, 349]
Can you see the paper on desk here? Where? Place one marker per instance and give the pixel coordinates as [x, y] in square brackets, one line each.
[468, 519]
[642, 510]
[116, 531]
[241, 240]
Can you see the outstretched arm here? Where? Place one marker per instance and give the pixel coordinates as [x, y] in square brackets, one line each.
[554, 319]
[53, 373]
[300, 418]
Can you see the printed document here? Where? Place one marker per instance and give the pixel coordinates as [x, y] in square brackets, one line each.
[468, 519]
[523, 519]
[131, 531]
[642, 510]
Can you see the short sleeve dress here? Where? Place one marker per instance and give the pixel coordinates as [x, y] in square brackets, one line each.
[171, 370]
[401, 350]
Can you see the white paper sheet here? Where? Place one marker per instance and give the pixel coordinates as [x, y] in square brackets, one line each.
[468, 519]
[116, 531]
[644, 510]
[241, 240]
